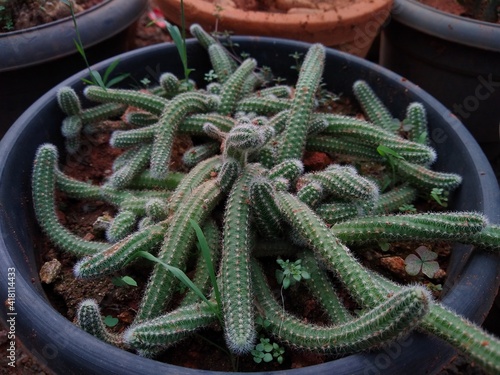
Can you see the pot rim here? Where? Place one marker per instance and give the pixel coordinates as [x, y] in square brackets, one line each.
[88, 345]
[34, 45]
[450, 27]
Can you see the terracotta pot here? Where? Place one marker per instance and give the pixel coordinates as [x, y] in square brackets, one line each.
[351, 28]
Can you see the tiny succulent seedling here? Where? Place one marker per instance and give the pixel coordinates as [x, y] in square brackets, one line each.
[249, 193]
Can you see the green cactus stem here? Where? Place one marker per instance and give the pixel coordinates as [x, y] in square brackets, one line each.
[232, 87]
[179, 239]
[235, 274]
[88, 318]
[147, 102]
[426, 226]
[328, 248]
[323, 290]
[366, 133]
[295, 133]
[201, 278]
[375, 110]
[264, 209]
[168, 329]
[389, 320]
[116, 256]
[416, 119]
[182, 105]
[43, 186]
[424, 178]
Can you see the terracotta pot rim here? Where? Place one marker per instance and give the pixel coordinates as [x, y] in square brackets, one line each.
[360, 10]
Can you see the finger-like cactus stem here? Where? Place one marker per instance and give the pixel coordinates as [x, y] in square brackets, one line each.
[265, 212]
[393, 318]
[69, 101]
[88, 317]
[123, 224]
[373, 107]
[416, 119]
[323, 290]
[232, 88]
[328, 248]
[121, 253]
[170, 328]
[178, 241]
[43, 186]
[295, 133]
[174, 114]
[235, 278]
[147, 102]
[425, 226]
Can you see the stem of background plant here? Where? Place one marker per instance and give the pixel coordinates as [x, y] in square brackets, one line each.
[179, 38]
[95, 76]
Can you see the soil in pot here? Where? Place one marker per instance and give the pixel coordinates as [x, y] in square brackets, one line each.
[282, 6]
[18, 15]
[449, 6]
[205, 350]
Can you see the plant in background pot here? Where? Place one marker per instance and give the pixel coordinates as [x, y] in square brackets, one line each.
[255, 177]
[350, 26]
[454, 58]
[34, 59]
[486, 10]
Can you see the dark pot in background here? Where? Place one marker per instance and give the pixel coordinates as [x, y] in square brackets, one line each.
[455, 59]
[35, 59]
[66, 349]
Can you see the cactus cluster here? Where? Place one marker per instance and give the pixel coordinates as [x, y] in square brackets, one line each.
[247, 188]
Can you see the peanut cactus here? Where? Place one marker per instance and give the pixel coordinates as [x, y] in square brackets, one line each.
[250, 173]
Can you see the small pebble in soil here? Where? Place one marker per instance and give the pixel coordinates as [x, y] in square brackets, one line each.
[49, 271]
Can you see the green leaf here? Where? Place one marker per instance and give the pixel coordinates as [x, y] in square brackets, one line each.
[426, 254]
[268, 357]
[205, 251]
[384, 246]
[117, 79]
[110, 321]
[124, 281]
[386, 151]
[179, 274]
[96, 76]
[429, 269]
[413, 265]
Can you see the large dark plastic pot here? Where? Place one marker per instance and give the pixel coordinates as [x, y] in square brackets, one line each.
[455, 59]
[68, 350]
[35, 59]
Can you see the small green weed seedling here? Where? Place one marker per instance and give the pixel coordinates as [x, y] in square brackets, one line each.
[440, 196]
[266, 351]
[291, 272]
